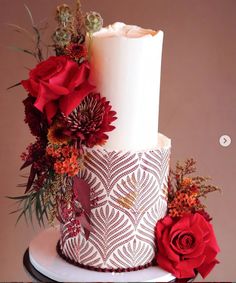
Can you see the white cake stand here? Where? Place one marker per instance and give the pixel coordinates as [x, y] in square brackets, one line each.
[44, 258]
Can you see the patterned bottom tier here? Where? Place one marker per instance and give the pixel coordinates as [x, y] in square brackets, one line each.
[130, 189]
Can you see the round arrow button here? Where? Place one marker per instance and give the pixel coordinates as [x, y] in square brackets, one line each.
[225, 140]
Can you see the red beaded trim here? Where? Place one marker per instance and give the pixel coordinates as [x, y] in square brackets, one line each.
[71, 261]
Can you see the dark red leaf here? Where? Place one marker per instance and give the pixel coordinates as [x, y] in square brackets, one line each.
[85, 223]
[27, 163]
[31, 179]
[82, 193]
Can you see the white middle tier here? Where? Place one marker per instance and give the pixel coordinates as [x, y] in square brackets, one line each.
[126, 69]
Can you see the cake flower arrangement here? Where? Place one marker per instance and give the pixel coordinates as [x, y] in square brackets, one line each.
[67, 116]
[185, 238]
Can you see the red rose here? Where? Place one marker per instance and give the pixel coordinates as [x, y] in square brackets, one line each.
[58, 83]
[186, 245]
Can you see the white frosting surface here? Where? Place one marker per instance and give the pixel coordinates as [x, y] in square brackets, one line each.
[126, 69]
[121, 29]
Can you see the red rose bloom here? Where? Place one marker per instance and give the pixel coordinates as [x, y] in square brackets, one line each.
[58, 84]
[186, 245]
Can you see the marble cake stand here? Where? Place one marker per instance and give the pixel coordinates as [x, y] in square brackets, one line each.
[44, 258]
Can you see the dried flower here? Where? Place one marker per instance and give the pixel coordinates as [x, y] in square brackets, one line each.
[184, 191]
[93, 22]
[35, 154]
[79, 23]
[62, 37]
[184, 203]
[65, 159]
[187, 182]
[64, 15]
[37, 158]
[205, 214]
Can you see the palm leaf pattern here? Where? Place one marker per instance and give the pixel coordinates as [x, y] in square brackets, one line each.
[112, 231]
[130, 193]
[132, 254]
[109, 167]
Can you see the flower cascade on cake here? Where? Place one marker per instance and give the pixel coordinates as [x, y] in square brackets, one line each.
[65, 113]
[109, 190]
[185, 238]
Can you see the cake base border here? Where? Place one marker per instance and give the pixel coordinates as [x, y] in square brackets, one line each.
[99, 269]
[44, 258]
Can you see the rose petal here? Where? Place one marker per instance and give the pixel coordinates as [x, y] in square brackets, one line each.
[50, 110]
[206, 268]
[165, 263]
[167, 221]
[211, 250]
[72, 76]
[213, 242]
[83, 74]
[26, 85]
[66, 76]
[31, 87]
[171, 254]
[161, 247]
[159, 229]
[199, 222]
[179, 246]
[178, 227]
[187, 267]
[48, 93]
[48, 68]
[175, 242]
[186, 272]
[198, 251]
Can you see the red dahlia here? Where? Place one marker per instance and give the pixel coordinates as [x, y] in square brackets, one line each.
[89, 122]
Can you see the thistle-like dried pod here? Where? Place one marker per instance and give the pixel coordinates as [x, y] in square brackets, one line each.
[93, 22]
[62, 37]
[64, 15]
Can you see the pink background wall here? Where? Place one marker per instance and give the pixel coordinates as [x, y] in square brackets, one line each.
[198, 103]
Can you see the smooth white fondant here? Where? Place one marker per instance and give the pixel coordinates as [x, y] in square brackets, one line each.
[126, 69]
[44, 258]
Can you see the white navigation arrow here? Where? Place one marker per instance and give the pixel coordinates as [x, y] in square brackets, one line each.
[225, 140]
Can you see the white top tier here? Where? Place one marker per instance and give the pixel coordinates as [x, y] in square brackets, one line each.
[126, 69]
